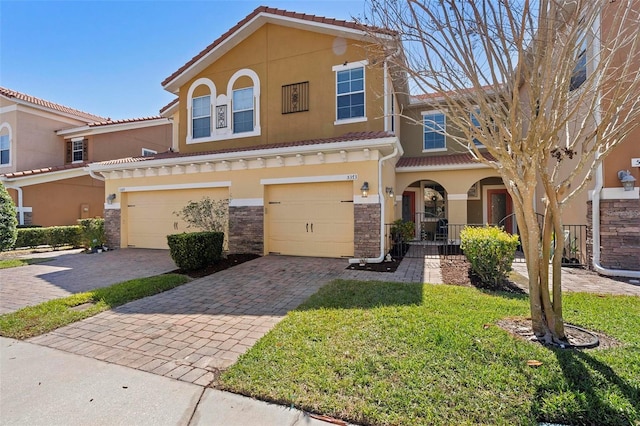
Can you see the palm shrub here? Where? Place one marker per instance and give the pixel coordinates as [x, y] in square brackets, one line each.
[490, 250]
[8, 220]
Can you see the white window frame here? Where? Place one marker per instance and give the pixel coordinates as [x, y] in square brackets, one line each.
[345, 67]
[74, 149]
[477, 126]
[148, 152]
[199, 117]
[234, 111]
[245, 72]
[433, 112]
[212, 97]
[581, 53]
[10, 138]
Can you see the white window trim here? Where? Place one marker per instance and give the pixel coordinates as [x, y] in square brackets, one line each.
[252, 109]
[212, 98]
[434, 112]
[73, 150]
[226, 133]
[150, 151]
[476, 108]
[8, 127]
[345, 67]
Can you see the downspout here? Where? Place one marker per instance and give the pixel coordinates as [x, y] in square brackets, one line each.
[20, 202]
[595, 201]
[94, 175]
[382, 199]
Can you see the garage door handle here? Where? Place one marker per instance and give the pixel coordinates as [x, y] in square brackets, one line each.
[307, 227]
[312, 227]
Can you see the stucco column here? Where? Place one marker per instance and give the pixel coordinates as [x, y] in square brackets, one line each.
[457, 214]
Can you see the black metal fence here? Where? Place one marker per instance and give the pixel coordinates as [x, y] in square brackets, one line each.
[442, 239]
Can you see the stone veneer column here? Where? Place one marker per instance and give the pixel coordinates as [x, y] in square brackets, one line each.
[366, 238]
[619, 234]
[112, 228]
[246, 229]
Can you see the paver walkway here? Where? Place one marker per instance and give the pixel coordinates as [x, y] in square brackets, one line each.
[73, 272]
[191, 332]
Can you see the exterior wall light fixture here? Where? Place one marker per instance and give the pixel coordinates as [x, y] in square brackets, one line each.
[627, 180]
[389, 191]
[365, 190]
[110, 198]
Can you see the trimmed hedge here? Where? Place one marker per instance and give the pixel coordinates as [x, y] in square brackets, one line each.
[195, 250]
[490, 250]
[54, 236]
[92, 232]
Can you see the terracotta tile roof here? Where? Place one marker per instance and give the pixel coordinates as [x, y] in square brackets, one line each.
[353, 136]
[278, 12]
[41, 102]
[43, 170]
[123, 121]
[169, 105]
[463, 159]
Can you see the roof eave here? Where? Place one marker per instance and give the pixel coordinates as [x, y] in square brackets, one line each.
[379, 143]
[247, 29]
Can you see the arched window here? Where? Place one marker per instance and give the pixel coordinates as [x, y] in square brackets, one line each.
[200, 104]
[5, 144]
[243, 92]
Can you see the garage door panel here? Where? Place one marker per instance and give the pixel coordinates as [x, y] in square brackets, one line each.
[151, 214]
[310, 219]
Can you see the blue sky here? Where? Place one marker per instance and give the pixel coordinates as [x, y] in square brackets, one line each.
[109, 57]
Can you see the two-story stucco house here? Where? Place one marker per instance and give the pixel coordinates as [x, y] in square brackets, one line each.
[44, 150]
[294, 120]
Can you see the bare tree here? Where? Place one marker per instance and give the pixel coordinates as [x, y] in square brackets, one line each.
[548, 88]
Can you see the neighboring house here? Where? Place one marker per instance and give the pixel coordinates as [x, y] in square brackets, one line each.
[45, 148]
[289, 117]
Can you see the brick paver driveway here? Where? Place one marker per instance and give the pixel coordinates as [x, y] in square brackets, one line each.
[193, 331]
[74, 273]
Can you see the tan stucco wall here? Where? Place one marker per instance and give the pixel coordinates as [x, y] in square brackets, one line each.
[245, 184]
[413, 134]
[34, 141]
[60, 203]
[129, 143]
[282, 56]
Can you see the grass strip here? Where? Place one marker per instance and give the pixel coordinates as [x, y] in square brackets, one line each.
[410, 354]
[13, 263]
[39, 319]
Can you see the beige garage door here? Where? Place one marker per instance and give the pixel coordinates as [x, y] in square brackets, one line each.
[151, 218]
[314, 219]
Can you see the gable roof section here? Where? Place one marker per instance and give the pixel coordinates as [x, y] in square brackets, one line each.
[41, 103]
[250, 24]
[253, 150]
[111, 126]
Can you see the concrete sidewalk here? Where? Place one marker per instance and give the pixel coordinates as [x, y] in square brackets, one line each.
[44, 386]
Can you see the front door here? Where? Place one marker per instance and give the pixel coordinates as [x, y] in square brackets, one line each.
[499, 206]
[409, 206]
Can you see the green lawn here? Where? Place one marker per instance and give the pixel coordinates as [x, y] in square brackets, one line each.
[35, 320]
[12, 263]
[407, 354]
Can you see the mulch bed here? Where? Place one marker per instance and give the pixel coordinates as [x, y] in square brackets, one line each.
[458, 271]
[225, 263]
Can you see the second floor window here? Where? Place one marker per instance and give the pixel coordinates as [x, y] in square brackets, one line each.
[201, 112]
[5, 150]
[78, 151]
[243, 110]
[579, 74]
[434, 128]
[350, 93]
[474, 122]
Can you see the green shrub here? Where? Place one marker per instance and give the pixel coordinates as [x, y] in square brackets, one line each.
[58, 236]
[31, 237]
[8, 220]
[92, 232]
[54, 236]
[490, 250]
[195, 250]
[402, 231]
